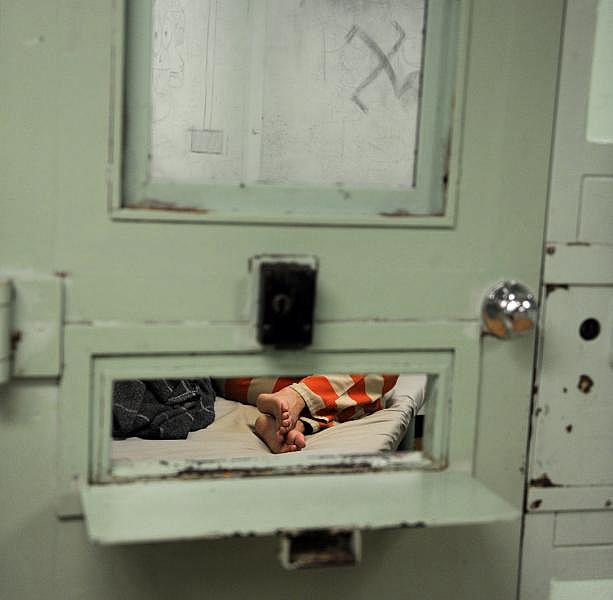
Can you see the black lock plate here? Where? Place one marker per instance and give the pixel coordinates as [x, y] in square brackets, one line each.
[285, 304]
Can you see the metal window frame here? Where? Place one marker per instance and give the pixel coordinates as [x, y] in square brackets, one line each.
[430, 203]
[106, 370]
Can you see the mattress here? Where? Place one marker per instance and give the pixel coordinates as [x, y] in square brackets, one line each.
[231, 434]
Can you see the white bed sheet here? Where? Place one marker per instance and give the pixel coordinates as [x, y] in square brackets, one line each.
[231, 434]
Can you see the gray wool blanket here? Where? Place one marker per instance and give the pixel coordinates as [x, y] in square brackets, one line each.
[162, 409]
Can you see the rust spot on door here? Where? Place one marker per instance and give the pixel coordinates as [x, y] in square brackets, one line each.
[586, 383]
[15, 339]
[400, 212]
[153, 204]
[535, 504]
[543, 482]
[553, 287]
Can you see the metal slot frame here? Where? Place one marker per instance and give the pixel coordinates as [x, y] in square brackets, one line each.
[97, 355]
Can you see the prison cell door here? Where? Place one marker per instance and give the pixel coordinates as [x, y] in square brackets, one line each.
[154, 250]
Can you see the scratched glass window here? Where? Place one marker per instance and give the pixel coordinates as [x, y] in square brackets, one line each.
[318, 92]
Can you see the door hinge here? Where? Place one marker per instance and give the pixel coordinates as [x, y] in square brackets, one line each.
[5, 330]
[31, 317]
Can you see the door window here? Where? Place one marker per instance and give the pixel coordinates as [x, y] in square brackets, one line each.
[273, 109]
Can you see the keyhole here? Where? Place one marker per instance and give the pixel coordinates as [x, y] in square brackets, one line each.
[281, 304]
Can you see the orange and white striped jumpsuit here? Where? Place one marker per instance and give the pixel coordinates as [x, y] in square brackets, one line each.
[328, 399]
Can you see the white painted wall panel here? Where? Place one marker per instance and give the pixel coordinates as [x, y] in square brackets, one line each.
[596, 216]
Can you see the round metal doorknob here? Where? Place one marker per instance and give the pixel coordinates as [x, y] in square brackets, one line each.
[509, 309]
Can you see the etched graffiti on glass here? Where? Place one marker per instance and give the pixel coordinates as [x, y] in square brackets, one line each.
[400, 87]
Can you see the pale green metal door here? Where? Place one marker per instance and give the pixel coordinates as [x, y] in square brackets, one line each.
[158, 284]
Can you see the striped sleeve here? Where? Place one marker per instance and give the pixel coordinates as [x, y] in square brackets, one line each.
[340, 398]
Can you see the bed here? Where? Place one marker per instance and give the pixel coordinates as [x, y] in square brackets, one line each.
[231, 434]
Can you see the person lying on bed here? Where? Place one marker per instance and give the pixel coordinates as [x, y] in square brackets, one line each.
[293, 407]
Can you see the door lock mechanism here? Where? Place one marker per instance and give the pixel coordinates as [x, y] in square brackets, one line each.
[509, 309]
[285, 296]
